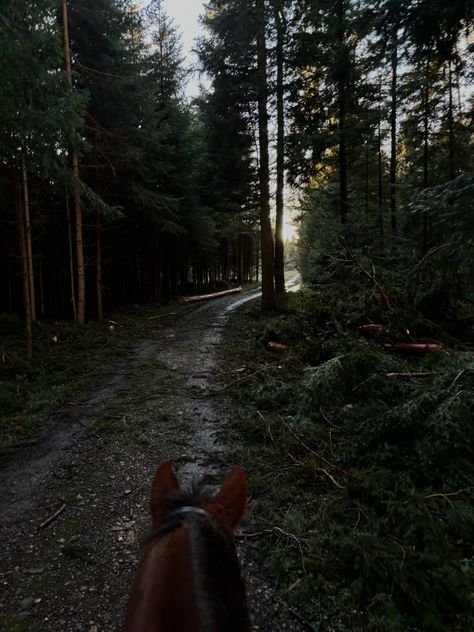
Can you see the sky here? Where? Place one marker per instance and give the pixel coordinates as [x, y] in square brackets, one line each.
[185, 14]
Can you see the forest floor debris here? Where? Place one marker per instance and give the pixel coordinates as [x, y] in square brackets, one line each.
[75, 574]
[373, 475]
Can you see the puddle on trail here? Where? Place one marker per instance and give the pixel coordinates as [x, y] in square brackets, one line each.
[196, 359]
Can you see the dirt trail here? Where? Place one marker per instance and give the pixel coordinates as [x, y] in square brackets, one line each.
[97, 459]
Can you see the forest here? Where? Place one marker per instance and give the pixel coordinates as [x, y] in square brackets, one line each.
[354, 120]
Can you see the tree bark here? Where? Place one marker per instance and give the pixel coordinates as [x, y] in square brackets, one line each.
[41, 287]
[27, 232]
[268, 290]
[71, 259]
[342, 113]
[452, 169]
[98, 270]
[393, 131]
[24, 267]
[380, 185]
[380, 173]
[280, 166]
[426, 103]
[81, 284]
[366, 179]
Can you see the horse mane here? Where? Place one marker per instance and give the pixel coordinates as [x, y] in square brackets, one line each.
[220, 592]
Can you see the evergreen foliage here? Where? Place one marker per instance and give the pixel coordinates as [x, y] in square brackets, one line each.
[394, 523]
[167, 205]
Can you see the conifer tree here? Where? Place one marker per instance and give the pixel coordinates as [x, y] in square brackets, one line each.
[36, 115]
[280, 20]
[267, 245]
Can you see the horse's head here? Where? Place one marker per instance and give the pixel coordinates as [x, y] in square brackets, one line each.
[189, 578]
[228, 504]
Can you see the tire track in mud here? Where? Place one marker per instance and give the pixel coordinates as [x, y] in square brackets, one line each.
[98, 459]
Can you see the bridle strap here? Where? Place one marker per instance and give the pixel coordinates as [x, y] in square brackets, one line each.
[191, 510]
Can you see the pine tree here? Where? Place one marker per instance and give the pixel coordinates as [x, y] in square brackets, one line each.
[36, 116]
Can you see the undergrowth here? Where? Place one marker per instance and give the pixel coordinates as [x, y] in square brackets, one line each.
[363, 461]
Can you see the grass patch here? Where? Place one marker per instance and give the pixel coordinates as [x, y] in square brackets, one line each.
[66, 359]
[368, 478]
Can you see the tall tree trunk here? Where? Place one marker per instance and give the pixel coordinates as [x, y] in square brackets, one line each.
[81, 283]
[27, 231]
[426, 105]
[393, 130]
[380, 183]
[41, 287]
[452, 168]
[366, 178]
[98, 270]
[268, 290]
[380, 171]
[71, 259]
[342, 112]
[19, 206]
[280, 166]
[458, 86]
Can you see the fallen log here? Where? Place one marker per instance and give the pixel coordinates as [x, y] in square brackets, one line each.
[162, 316]
[409, 374]
[208, 297]
[370, 329]
[415, 347]
[277, 346]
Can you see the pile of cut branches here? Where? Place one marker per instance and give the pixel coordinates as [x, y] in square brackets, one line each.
[373, 454]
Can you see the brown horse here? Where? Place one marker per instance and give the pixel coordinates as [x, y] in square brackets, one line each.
[189, 578]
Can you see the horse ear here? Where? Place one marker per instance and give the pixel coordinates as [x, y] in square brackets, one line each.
[232, 497]
[164, 484]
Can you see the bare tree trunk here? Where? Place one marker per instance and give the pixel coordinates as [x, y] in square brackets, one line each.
[19, 206]
[342, 107]
[10, 285]
[366, 178]
[426, 103]
[380, 173]
[81, 284]
[452, 169]
[268, 290]
[41, 286]
[27, 230]
[71, 259]
[280, 167]
[393, 131]
[458, 86]
[100, 308]
[380, 186]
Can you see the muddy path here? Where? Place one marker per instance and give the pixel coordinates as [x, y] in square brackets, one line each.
[94, 465]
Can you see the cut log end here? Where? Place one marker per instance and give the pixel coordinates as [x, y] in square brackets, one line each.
[277, 346]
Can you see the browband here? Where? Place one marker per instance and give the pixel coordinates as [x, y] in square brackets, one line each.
[192, 510]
